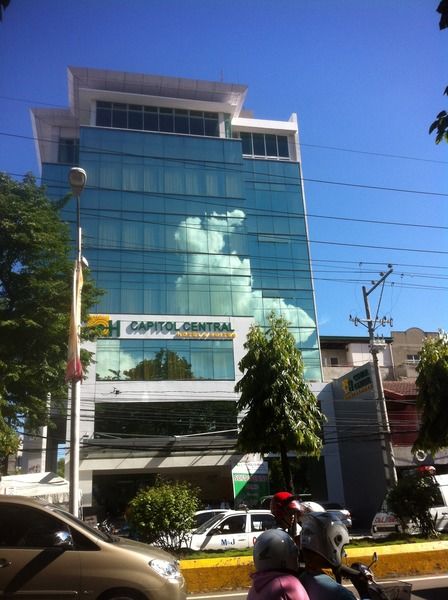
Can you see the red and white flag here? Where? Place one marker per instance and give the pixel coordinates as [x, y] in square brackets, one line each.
[74, 367]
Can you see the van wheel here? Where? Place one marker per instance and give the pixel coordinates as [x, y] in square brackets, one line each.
[122, 594]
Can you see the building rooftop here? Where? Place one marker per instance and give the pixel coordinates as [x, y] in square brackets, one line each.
[400, 390]
[82, 81]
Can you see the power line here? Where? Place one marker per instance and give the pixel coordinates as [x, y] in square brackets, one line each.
[302, 144]
[219, 166]
[253, 212]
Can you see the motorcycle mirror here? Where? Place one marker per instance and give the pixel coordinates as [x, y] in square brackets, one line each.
[374, 559]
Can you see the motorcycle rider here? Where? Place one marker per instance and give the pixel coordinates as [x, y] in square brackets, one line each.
[276, 562]
[322, 542]
[287, 512]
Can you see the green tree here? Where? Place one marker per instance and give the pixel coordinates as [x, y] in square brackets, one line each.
[281, 412]
[441, 122]
[3, 4]
[411, 499]
[164, 514]
[35, 296]
[432, 383]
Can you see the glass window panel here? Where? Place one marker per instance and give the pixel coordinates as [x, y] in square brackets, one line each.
[107, 360]
[151, 119]
[198, 298]
[196, 123]
[104, 114]
[177, 302]
[181, 121]
[191, 182]
[246, 139]
[132, 235]
[211, 126]
[132, 177]
[68, 151]
[119, 116]
[166, 120]
[110, 174]
[131, 298]
[131, 357]
[201, 361]
[233, 185]
[221, 301]
[259, 149]
[148, 236]
[271, 145]
[174, 181]
[178, 361]
[135, 117]
[297, 225]
[109, 233]
[223, 364]
[152, 179]
[211, 184]
[282, 142]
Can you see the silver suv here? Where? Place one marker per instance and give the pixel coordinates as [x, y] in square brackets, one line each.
[45, 552]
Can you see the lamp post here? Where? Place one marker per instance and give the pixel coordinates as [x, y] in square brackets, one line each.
[77, 179]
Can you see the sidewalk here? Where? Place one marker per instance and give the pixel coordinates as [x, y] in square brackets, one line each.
[214, 574]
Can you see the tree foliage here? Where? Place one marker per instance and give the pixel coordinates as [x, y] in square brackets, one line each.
[441, 122]
[35, 295]
[282, 414]
[3, 4]
[411, 499]
[432, 398]
[440, 125]
[164, 514]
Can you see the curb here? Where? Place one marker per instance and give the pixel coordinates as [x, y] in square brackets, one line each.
[215, 574]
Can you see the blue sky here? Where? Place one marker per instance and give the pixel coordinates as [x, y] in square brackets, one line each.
[364, 76]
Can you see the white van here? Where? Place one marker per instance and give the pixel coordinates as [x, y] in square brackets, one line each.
[385, 522]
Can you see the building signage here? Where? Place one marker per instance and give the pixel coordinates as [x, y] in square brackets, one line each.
[177, 329]
[357, 382]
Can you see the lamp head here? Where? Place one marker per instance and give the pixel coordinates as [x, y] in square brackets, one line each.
[77, 178]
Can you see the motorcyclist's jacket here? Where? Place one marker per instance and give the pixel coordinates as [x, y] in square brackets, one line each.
[322, 587]
[276, 585]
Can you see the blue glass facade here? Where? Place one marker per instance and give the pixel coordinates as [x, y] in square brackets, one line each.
[279, 254]
[183, 225]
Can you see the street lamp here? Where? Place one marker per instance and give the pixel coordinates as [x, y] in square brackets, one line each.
[77, 179]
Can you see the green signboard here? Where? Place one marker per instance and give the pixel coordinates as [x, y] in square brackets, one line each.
[250, 482]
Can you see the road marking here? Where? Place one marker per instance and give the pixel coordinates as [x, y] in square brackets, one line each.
[424, 578]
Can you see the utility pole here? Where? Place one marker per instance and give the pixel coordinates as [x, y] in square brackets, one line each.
[374, 347]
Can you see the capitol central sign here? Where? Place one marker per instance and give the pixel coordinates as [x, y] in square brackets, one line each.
[177, 329]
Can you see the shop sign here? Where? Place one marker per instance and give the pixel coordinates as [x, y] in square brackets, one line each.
[357, 382]
[250, 482]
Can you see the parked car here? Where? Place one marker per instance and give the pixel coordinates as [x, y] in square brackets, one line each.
[231, 529]
[204, 515]
[332, 507]
[336, 509]
[46, 552]
[385, 522]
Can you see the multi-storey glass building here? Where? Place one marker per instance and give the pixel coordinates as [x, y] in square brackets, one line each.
[194, 224]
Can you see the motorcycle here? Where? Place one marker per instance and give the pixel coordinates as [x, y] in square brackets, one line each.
[117, 526]
[364, 581]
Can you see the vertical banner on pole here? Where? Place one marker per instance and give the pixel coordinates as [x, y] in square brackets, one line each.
[74, 366]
